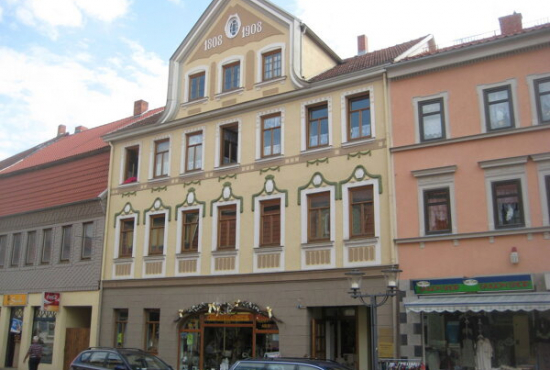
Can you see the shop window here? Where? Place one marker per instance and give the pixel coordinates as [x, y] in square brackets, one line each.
[162, 158]
[43, 327]
[46, 245]
[437, 211]
[190, 231]
[270, 228]
[317, 126]
[152, 323]
[272, 65]
[542, 93]
[499, 111]
[66, 242]
[31, 248]
[194, 151]
[131, 164]
[318, 217]
[359, 118]
[227, 227]
[87, 239]
[271, 135]
[229, 145]
[431, 119]
[3, 246]
[361, 209]
[156, 234]
[121, 321]
[196, 86]
[508, 204]
[231, 76]
[16, 250]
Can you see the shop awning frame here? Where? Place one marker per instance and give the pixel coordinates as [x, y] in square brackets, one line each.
[537, 301]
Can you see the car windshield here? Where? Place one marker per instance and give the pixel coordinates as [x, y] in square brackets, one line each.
[144, 361]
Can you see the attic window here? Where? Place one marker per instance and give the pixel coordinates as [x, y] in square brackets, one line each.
[272, 66]
[131, 165]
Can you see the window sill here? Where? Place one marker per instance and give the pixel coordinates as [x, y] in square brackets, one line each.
[194, 102]
[154, 257]
[124, 259]
[186, 255]
[268, 249]
[225, 252]
[228, 167]
[349, 144]
[360, 241]
[128, 184]
[223, 94]
[312, 245]
[313, 151]
[192, 173]
[261, 84]
[270, 159]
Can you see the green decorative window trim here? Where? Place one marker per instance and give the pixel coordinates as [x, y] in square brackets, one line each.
[159, 189]
[317, 162]
[221, 178]
[158, 207]
[275, 168]
[226, 197]
[269, 183]
[186, 184]
[129, 194]
[359, 154]
[191, 200]
[317, 181]
[360, 173]
[126, 210]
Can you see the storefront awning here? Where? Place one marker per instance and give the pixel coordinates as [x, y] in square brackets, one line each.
[478, 302]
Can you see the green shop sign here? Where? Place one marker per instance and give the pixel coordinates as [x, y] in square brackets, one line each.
[474, 285]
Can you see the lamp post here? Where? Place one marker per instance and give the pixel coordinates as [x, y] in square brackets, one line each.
[355, 278]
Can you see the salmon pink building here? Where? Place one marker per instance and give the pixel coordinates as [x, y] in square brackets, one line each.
[471, 159]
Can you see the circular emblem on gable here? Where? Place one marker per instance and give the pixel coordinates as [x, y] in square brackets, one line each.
[157, 204]
[233, 26]
[359, 173]
[317, 180]
[127, 208]
[226, 192]
[269, 186]
[190, 198]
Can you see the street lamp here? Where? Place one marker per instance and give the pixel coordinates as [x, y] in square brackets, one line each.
[355, 278]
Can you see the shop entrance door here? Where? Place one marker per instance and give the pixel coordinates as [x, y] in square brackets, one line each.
[14, 337]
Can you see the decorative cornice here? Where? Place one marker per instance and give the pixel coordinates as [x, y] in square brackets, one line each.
[317, 161]
[275, 168]
[129, 194]
[159, 189]
[233, 176]
[360, 154]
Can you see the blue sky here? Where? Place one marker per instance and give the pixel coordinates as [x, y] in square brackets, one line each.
[84, 62]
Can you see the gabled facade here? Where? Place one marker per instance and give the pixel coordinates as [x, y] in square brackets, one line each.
[51, 238]
[470, 155]
[264, 181]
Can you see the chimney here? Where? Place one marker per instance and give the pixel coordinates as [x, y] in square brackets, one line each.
[510, 24]
[362, 45]
[79, 129]
[140, 107]
[61, 130]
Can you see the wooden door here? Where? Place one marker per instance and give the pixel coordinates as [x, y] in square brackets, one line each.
[76, 340]
[318, 339]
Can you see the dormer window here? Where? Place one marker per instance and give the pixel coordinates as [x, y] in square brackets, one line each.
[271, 65]
[231, 76]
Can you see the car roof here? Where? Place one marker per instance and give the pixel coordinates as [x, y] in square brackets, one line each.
[294, 360]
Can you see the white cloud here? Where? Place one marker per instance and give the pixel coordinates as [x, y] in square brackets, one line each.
[1, 13]
[40, 90]
[104, 10]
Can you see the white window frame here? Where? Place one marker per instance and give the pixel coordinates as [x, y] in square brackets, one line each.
[230, 60]
[152, 156]
[504, 170]
[304, 213]
[376, 198]
[444, 96]
[344, 115]
[304, 118]
[259, 148]
[431, 179]
[481, 101]
[543, 169]
[179, 239]
[533, 97]
[258, 215]
[123, 162]
[260, 62]
[183, 163]
[215, 207]
[148, 232]
[187, 80]
[219, 126]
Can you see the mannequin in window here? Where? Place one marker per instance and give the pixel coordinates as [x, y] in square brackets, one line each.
[467, 354]
[484, 353]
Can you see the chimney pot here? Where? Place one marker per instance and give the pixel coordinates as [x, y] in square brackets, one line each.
[362, 45]
[510, 24]
[79, 129]
[61, 130]
[140, 107]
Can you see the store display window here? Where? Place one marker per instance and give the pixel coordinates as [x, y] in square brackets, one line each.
[43, 327]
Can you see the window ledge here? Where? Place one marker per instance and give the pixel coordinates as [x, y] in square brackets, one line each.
[124, 259]
[349, 144]
[194, 102]
[225, 253]
[128, 185]
[268, 250]
[221, 95]
[228, 167]
[188, 255]
[313, 151]
[160, 179]
[270, 159]
[328, 244]
[360, 241]
[154, 257]
[192, 173]
[261, 84]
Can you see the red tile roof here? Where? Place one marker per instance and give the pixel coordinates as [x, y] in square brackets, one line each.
[368, 60]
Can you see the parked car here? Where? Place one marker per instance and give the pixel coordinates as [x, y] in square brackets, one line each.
[99, 358]
[283, 363]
